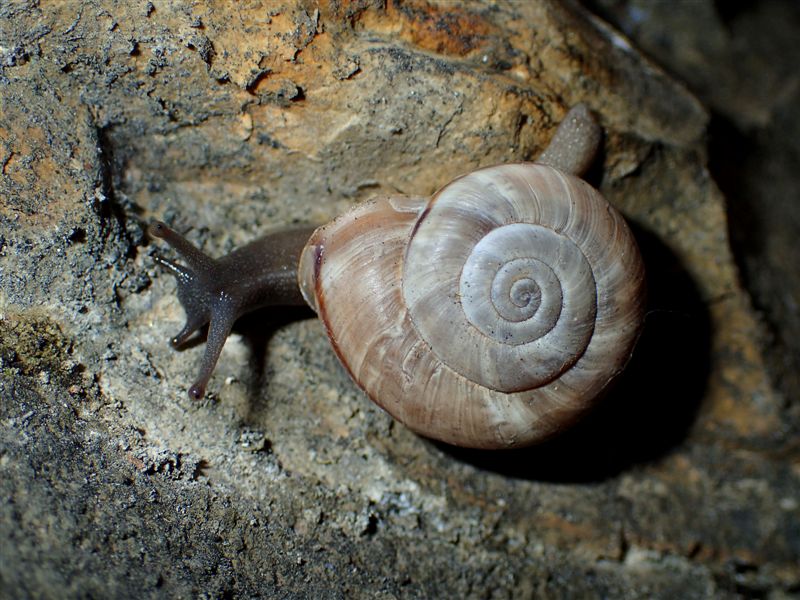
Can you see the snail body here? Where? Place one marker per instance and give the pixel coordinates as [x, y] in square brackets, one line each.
[493, 314]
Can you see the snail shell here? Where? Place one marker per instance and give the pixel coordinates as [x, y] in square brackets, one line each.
[493, 314]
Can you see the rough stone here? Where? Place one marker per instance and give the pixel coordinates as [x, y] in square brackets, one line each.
[227, 118]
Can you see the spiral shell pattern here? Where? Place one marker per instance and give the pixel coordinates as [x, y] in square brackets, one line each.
[497, 265]
[492, 315]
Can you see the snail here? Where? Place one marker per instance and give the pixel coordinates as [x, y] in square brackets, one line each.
[493, 314]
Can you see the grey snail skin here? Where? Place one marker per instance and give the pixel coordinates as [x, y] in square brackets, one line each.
[493, 314]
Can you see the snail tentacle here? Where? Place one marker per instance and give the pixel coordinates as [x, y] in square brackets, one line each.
[216, 292]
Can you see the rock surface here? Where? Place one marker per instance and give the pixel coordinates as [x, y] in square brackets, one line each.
[227, 118]
[741, 60]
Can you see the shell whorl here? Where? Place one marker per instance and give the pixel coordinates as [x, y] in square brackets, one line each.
[497, 266]
[490, 316]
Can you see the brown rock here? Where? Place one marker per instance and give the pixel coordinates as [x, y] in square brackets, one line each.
[228, 118]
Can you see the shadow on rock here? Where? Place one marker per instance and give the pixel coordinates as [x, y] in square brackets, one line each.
[257, 327]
